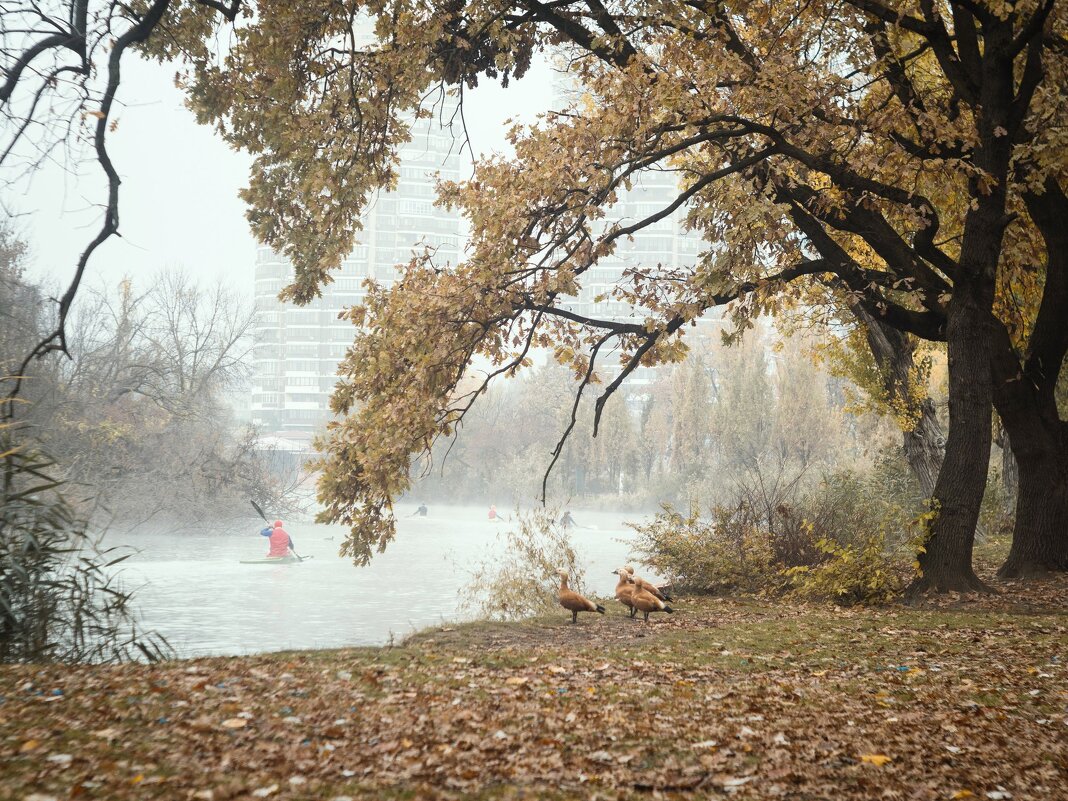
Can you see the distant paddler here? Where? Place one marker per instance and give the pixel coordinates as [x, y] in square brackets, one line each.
[567, 520]
[281, 544]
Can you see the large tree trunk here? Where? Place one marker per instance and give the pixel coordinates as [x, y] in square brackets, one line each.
[1040, 539]
[946, 561]
[1026, 399]
[924, 447]
[1040, 444]
[922, 437]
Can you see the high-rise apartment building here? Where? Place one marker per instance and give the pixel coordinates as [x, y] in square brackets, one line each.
[666, 242]
[297, 348]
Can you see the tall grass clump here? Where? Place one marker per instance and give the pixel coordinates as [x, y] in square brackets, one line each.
[60, 599]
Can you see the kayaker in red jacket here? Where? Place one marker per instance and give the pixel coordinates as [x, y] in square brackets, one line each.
[281, 542]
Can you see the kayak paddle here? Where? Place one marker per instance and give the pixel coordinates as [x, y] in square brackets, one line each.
[256, 506]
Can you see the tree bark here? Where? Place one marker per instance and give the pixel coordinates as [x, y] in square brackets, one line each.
[1040, 538]
[1026, 397]
[1040, 445]
[946, 558]
[893, 352]
[1010, 473]
[924, 447]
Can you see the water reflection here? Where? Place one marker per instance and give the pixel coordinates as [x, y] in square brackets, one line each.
[195, 592]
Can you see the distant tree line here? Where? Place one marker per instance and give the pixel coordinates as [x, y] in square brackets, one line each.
[136, 420]
[727, 422]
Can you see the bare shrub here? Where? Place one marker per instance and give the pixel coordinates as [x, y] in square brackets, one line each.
[842, 541]
[726, 552]
[521, 581]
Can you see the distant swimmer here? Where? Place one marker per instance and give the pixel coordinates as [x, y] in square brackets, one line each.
[567, 521]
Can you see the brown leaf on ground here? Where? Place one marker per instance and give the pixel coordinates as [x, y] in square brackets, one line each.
[955, 699]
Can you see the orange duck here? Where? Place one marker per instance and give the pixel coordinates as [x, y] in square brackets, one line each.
[572, 601]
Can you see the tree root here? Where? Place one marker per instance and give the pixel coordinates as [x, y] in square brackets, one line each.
[924, 585]
[1028, 569]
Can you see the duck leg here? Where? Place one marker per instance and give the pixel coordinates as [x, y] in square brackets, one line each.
[574, 616]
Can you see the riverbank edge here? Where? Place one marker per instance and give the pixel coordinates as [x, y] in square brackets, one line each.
[700, 702]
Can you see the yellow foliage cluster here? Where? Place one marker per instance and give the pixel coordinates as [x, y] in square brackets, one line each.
[829, 127]
[856, 571]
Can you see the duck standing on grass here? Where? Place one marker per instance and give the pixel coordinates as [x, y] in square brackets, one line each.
[625, 590]
[648, 586]
[646, 602]
[572, 601]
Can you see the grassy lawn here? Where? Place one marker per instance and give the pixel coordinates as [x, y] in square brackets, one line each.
[967, 698]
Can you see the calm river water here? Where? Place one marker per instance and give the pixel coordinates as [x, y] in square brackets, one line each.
[193, 590]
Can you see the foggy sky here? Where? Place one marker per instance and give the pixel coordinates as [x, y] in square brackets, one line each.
[178, 201]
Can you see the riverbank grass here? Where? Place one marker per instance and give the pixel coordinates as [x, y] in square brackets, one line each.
[740, 699]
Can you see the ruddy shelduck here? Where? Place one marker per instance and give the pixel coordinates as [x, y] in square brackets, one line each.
[645, 602]
[572, 601]
[625, 590]
[648, 586]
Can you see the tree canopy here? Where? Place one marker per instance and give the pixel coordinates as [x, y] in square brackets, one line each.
[906, 158]
[887, 152]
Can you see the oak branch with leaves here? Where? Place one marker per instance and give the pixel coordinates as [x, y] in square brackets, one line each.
[906, 159]
[903, 158]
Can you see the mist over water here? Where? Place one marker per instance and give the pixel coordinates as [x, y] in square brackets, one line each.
[193, 589]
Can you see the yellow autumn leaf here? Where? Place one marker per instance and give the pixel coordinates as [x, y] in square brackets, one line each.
[962, 794]
[875, 759]
[235, 723]
[29, 745]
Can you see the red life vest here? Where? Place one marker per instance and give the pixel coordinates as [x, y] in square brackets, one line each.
[279, 543]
